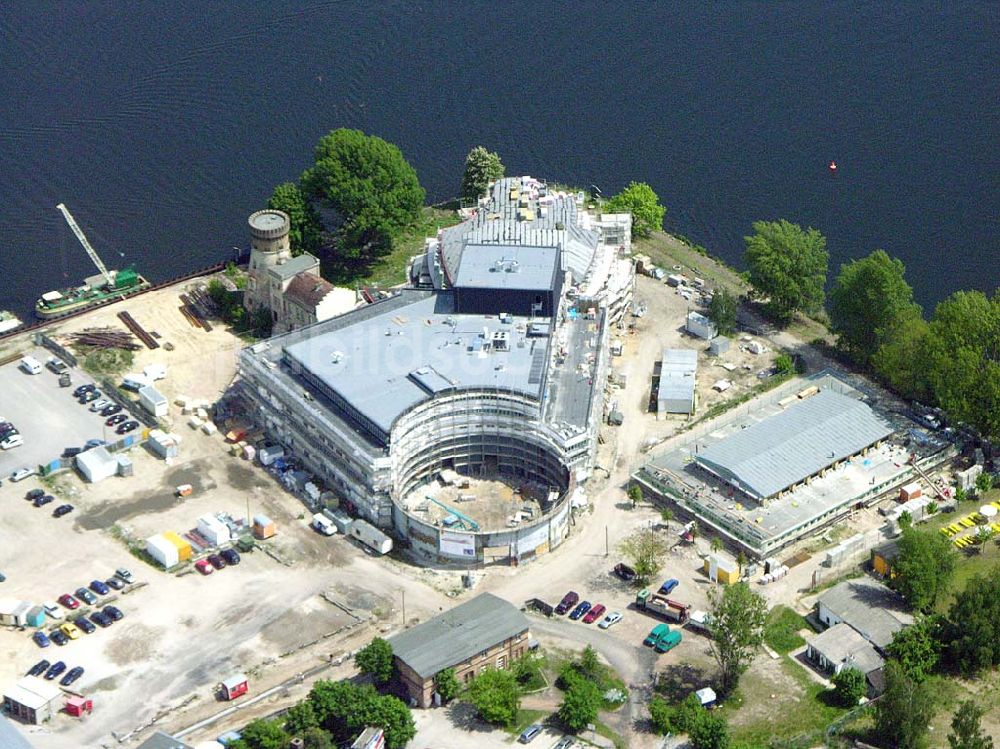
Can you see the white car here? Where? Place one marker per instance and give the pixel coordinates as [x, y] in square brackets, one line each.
[14, 440]
[52, 610]
[22, 473]
[613, 618]
[100, 403]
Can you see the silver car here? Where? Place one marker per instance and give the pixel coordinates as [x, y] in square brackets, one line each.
[613, 618]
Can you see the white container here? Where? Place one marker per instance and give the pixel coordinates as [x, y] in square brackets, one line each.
[370, 536]
[162, 551]
[214, 530]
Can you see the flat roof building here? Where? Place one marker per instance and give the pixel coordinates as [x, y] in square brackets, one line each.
[779, 452]
[677, 393]
[872, 609]
[32, 700]
[484, 632]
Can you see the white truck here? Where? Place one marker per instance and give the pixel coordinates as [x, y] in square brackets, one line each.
[323, 524]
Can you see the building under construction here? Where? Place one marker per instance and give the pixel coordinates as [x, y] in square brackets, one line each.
[490, 367]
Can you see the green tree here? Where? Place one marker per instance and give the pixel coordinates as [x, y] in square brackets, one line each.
[589, 664]
[375, 659]
[317, 738]
[738, 618]
[306, 230]
[388, 713]
[788, 266]
[333, 702]
[849, 686]
[900, 361]
[446, 684]
[904, 711]
[963, 359]
[496, 696]
[265, 734]
[722, 310]
[300, 717]
[709, 732]
[715, 544]
[666, 514]
[644, 205]
[783, 364]
[481, 168]
[634, 494]
[972, 633]
[645, 550]
[917, 648]
[984, 482]
[869, 298]
[967, 729]
[661, 715]
[924, 565]
[580, 705]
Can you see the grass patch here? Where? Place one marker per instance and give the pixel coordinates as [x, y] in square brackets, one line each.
[666, 251]
[781, 631]
[103, 362]
[391, 269]
[526, 718]
[530, 675]
[608, 733]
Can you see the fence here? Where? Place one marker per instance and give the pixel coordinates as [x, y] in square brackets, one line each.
[43, 340]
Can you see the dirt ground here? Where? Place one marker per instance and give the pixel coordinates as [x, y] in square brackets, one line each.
[491, 503]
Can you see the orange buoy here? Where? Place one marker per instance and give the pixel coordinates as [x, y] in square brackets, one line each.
[833, 166]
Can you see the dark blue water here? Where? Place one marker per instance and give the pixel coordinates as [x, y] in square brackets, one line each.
[162, 125]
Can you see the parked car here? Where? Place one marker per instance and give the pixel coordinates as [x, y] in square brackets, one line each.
[528, 734]
[114, 583]
[625, 572]
[660, 630]
[69, 602]
[611, 619]
[124, 575]
[21, 474]
[89, 397]
[114, 613]
[231, 556]
[101, 619]
[70, 630]
[94, 443]
[39, 668]
[581, 608]
[52, 610]
[116, 419]
[34, 494]
[127, 427]
[85, 595]
[11, 440]
[55, 669]
[204, 567]
[62, 510]
[41, 639]
[58, 637]
[84, 624]
[564, 743]
[86, 388]
[72, 675]
[668, 586]
[56, 365]
[216, 561]
[43, 500]
[594, 614]
[100, 588]
[111, 409]
[72, 452]
[568, 601]
[99, 404]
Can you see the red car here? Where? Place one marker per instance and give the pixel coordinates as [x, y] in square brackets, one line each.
[69, 602]
[594, 614]
[204, 567]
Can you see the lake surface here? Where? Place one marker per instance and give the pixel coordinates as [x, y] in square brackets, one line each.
[163, 125]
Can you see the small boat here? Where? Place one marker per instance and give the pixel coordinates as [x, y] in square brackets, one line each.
[9, 321]
[833, 166]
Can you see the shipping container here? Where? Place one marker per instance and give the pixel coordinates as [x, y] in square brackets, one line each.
[163, 551]
[183, 547]
[371, 536]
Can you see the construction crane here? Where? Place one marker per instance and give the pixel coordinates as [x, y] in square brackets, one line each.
[467, 522]
[86, 244]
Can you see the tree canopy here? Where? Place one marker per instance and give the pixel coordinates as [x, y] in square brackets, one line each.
[581, 704]
[306, 231]
[263, 734]
[924, 565]
[481, 168]
[738, 618]
[788, 265]
[967, 729]
[900, 362]
[973, 628]
[722, 310]
[375, 659]
[345, 709]
[644, 205]
[496, 696]
[917, 648]
[850, 686]
[645, 550]
[868, 301]
[446, 684]
[904, 711]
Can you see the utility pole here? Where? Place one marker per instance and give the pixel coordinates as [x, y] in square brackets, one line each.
[606, 550]
[403, 594]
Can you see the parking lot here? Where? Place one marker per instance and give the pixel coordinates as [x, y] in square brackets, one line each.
[47, 416]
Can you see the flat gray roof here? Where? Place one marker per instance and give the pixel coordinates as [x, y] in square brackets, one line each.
[457, 635]
[161, 740]
[293, 267]
[10, 737]
[870, 607]
[398, 354]
[800, 441]
[518, 267]
[841, 643]
[677, 375]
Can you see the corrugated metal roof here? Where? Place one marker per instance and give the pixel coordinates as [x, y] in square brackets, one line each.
[677, 377]
[457, 635]
[780, 451]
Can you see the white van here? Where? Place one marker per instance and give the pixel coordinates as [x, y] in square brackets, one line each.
[31, 365]
[11, 441]
[134, 382]
[323, 524]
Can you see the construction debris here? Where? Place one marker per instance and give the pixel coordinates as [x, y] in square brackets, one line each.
[105, 338]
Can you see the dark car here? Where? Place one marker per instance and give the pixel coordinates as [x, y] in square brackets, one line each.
[41, 639]
[667, 588]
[127, 427]
[84, 389]
[39, 668]
[116, 419]
[35, 494]
[114, 613]
[581, 608]
[568, 601]
[216, 561]
[111, 410]
[231, 556]
[93, 443]
[86, 596]
[43, 500]
[72, 452]
[55, 669]
[58, 637]
[114, 582]
[90, 396]
[62, 510]
[100, 619]
[98, 587]
[625, 572]
[72, 675]
[85, 625]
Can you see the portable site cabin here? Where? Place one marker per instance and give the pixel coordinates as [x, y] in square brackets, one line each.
[699, 325]
[96, 464]
[718, 345]
[235, 686]
[214, 530]
[263, 527]
[32, 700]
[721, 570]
[78, 706]
[168, 549]
[153, 401]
